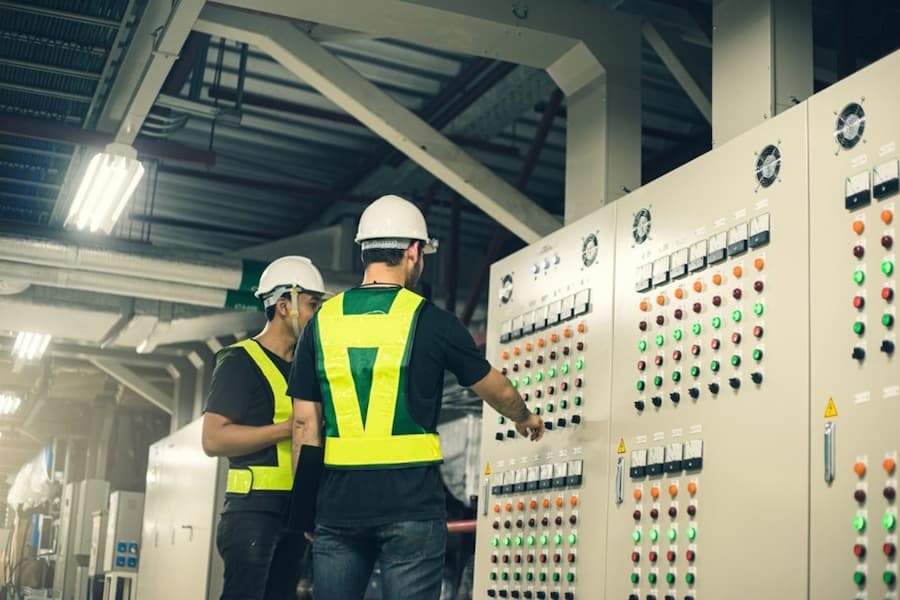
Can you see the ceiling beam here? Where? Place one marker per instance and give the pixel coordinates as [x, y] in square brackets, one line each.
[338, 82]
[137, 384]
[679, 71]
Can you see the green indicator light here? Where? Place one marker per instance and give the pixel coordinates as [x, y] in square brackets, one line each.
[658, 380]
[550, 407]
[757, 355]
[859, 578]
[501, 419]
[557, 539]
[551, 371]
[495, 541]
[577, 400]
[544, 539]
[636, 536]
[859, 328]
[531, 540]
[579, 364]
[859, 276]
[556, 576]
[537, 410]
[676, 376]
[660, 340]
[677, 334]
[517, 576]
[887, 267]
[515, 383]
[635, 578]
[737, 315]
[570, 577]
[651, 577]
[493, 576]
[691, 533]
[526, 380]
[654, 535]
[672, 534]
[507, 540]
[504, 576]
[542, 577]
[529, 576]
[642, 345]
[889, 578]
[690, 578]
[714, 366]
[716, 322]
[640, 386]
[518, 541]
[758, 308]
[887, 320]
[889, 521]
[695, 371]
[564, 404]
[859, 522]
[735, 360]
[565, 369]
[696, 328]
[670, 578]
[572, 539]
[539, 376]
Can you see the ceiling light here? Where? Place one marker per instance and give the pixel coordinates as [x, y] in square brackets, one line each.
[30, 345]
[108, 183]
[9, 403]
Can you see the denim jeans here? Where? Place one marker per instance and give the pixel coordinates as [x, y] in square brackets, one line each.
[262, 562]
[411, 555]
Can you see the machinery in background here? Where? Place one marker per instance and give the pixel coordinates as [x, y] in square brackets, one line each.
[184, 496]
[122, 548]
[98, 547]
[79, 501]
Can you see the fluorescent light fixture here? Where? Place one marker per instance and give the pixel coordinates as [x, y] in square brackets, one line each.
[108, 184]
[9, 403]
[30, 345]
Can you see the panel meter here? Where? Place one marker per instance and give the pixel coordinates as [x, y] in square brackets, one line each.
[759, 230]
[644, 278]
[717, 248]
[697, 256]
[661, 270]
[737, 239]
[679, 264]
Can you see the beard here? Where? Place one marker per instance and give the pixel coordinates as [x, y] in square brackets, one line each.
[412, 278]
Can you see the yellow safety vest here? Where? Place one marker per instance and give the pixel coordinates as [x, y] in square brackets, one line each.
[388, 437]
[243, 480]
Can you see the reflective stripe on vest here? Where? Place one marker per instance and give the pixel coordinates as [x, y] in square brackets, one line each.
[374, 444]
[241, 480]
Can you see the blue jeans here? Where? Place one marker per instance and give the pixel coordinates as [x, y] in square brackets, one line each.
[262, 561]
[411, 555]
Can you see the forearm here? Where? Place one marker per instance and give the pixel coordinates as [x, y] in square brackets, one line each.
[306, 431]
[510, 405]
[237, 440]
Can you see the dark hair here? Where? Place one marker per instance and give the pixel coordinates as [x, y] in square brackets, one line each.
[270, 311]
[390, 256]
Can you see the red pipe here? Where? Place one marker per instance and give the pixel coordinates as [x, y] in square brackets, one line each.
[467, 526]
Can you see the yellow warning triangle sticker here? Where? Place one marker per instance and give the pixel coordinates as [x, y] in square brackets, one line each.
[487, 468]
[830, 409]
[621, 448]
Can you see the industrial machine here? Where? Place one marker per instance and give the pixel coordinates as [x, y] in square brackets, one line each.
[79, 501]
[715, 359]
[854, 129]
[121, 554]
[98, 546]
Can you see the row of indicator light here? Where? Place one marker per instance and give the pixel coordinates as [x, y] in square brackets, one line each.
[542, 576]
[541, 342]
[528, 594]
[690, 578]
[859, 277]
[716, 322]
[699, 286]
[530, 558]
[533, 504]
[543, 539]
[672, 489]
[888, 522]
[653, 597]
[533, 522]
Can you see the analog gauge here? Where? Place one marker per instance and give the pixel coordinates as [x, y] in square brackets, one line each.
[768, 165]
[506, 288]
[640, 229]
[644, 278]
[737, 239]
[661, 270]
[697, 256]
[856, 191]
[851, 124]
[716, 252]
[679, 267]
[759, 230]
[590, 247]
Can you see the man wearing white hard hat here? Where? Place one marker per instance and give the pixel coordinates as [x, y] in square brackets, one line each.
[371, 365]
[248, 419]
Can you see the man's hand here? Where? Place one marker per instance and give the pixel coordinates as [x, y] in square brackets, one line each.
[285, 429]
[532, 427]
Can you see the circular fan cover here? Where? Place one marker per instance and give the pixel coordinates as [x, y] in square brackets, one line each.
[589, 249]
[768, 165]
[851, 124]
[641, 226]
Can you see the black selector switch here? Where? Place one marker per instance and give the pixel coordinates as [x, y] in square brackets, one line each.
[694, 393]
[657, 401]
[714, 388]
[756, 377]
[639, 405]
[675, 397]
[858, 353]
[735, 383]
[887, 346]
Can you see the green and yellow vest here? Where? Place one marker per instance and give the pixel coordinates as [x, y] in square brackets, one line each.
[278, 478]
[363, 343]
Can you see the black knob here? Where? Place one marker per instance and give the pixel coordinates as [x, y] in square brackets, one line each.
[713, 388]
[554, 595]
[548, 425]
[492, 593]
[651, 596]
[560, 422]
[503, 593]
[657, 401]
[858, 353]
[670, 597]
[514, 593]
[499, 436]
[633, 597]
[527, 594]
[576, 419]
[756, 377]
[569, 596]
[887, 346]
[541, 595]
[639, 404]
[675, 397]
[694, 393]
[734, 382]
[511, 433]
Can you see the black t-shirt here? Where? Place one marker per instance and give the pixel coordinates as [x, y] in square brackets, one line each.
[240, 392]
[352, 497]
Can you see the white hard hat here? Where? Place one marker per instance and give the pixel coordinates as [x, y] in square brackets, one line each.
[391, 220]
[287, 272]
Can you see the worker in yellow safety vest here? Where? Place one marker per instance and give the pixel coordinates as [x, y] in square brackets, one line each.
[371, 365]
[248, 419]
